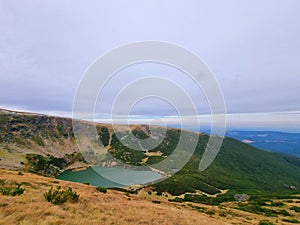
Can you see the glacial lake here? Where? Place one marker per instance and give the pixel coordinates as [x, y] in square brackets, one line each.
[109, 176]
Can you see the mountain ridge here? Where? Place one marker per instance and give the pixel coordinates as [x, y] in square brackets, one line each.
[47, 145]
[277, 141]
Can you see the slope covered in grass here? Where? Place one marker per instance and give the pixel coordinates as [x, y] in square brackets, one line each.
[92, 207]
[239, 167]
[47, 145]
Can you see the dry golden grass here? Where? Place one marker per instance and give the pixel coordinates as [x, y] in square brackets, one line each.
[113, 207]
[93, 207]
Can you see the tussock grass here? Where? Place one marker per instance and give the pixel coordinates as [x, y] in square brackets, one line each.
[93, 207]
[113, 207]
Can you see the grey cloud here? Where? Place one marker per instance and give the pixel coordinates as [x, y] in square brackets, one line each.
[253, 47]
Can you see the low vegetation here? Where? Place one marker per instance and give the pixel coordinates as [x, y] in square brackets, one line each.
[259, 210]
[270, 180]
[50, 165]
[237, 167]
[11, 189]
[125, 190]
[60, 195]
[101, 189]
[266, 223]
[156, 201]
[295, 208]
[92, 207]
[291, 220]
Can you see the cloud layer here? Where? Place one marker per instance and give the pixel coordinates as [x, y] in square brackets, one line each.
[253, 48]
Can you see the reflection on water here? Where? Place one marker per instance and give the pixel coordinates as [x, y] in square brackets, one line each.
[109, 177]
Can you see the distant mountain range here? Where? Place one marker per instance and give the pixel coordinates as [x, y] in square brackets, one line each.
[288, 143]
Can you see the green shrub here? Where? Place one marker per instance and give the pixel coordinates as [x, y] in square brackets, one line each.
[259, 210]
[177, 199]
[266, 223]
[156, 201]
[292, 220]
[124, 190]
[101, 189]
[284, 213]
[295, 208]
[210, 212]
[58, 196]
[202, 199]
[258, 201]
[278, 204]
[12, 191]
[222, 214]
[198, 208]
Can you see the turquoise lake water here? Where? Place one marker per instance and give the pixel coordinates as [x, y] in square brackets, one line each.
[109, 177]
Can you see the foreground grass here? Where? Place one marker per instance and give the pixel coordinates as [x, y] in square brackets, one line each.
[106, 206]
[93, 207]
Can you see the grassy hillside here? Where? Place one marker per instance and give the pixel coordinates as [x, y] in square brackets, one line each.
[239, 168]
[119, 207]
[47, 145]
[92, 207]
[24, 133]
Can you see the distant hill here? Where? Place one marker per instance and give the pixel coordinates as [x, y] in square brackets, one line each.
[46, 145]
[288, 143]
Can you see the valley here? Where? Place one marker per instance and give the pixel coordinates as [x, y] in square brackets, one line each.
[244, 185]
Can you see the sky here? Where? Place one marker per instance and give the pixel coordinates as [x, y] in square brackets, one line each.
[252, 47]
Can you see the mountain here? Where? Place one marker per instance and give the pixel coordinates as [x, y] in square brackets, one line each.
[22, 134]
[46, 145]
[288, 143]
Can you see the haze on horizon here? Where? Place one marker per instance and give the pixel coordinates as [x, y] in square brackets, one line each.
[252, 47]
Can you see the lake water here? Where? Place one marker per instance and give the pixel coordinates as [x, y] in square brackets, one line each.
[109, 177]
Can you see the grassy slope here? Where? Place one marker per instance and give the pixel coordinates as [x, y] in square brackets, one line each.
[255, 168]
[22, 133]
[238, 166]
[93, 207]
[116, 207]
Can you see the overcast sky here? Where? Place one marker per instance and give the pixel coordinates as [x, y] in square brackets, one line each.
[251, 46]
